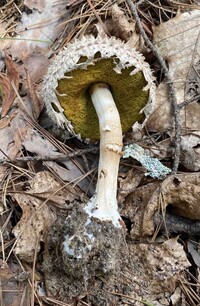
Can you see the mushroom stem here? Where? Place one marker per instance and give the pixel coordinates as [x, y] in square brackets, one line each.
[103, 204]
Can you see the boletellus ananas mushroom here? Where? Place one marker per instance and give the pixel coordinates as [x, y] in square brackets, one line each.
[98, 88]
[95, 88]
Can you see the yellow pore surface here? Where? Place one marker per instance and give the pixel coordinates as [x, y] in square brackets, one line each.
[126, 90]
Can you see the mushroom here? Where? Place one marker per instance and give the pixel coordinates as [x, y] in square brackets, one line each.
[100, 77]
[95, 88]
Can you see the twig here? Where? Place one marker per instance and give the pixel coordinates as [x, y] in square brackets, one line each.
[58, 157]
[186, 102]
[177, 225]
[171, 93]
[140, 2]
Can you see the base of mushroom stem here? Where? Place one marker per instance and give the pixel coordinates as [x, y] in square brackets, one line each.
[82, 248]
[103, 213]
[91, 246]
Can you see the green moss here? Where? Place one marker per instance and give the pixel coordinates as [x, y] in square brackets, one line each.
[126, 90]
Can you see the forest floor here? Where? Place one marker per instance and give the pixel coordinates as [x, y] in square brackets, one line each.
[47, 175]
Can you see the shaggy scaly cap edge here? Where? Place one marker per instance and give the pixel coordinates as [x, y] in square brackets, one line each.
[88, 46]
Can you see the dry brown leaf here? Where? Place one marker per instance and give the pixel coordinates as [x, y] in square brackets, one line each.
[46, 186]
[158, 266]
[178, 43]
[37, 105]
[5, 271]
[128, 183]
[31, 225]
[35, 4]
[13, 131]
[5, 43]
[8, 91]
[6, 120]
[38, 215]
[181, 192]
[12, 292]
[12, 71]
[35, 143]
[190, 150]
[121, 25]
[36, 64]
[38, 29]
[135, 205]
[4, 88]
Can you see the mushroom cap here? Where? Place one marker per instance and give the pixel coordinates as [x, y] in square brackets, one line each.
[91, 60]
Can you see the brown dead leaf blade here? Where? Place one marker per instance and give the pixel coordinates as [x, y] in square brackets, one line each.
[37, 105]
[6, 89]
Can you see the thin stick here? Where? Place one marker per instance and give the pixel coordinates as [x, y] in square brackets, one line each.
[140, 2]
[171, 93]
[186, 102]
[58, 157]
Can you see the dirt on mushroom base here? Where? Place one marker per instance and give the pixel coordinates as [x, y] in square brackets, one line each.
[110, 269]
[79, 254]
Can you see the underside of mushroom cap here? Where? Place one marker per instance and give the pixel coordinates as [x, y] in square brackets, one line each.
[91, 60]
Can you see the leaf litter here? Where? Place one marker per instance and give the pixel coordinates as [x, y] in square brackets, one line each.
[45, 192]
[178, 41]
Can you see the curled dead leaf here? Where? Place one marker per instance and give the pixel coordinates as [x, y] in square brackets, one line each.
[181, 192]
[121, 25]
